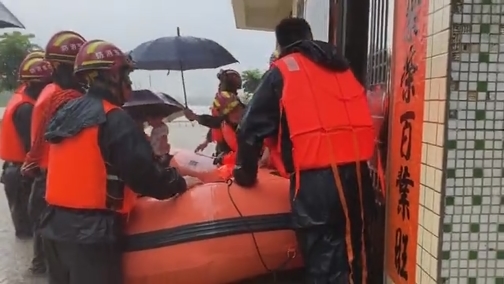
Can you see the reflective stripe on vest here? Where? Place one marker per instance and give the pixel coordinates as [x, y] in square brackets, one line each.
[37, 123]
[78, 176]
[327, 113]
[11, 146]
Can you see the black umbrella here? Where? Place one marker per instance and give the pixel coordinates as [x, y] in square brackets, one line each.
[7, 19]
[146, 103]
[180, 53]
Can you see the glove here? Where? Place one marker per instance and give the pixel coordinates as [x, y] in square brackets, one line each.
[244, 178]
[173, 184]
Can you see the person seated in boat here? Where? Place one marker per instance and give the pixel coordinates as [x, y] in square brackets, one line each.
[97, 150]
[159, 136]
[311, 100]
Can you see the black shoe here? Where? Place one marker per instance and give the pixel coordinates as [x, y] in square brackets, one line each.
[37, 269]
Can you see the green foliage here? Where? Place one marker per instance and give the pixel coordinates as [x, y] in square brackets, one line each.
[251, 79]
[14, 47]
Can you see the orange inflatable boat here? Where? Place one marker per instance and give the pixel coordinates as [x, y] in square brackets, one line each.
[215, 233]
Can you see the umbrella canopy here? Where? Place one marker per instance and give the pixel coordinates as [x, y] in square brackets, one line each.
[180, 53]
[7, 19]
[146, 103]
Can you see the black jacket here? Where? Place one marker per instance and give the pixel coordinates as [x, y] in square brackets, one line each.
[125, 148]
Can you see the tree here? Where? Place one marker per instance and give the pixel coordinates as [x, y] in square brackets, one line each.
[251, 79]
[13, 48]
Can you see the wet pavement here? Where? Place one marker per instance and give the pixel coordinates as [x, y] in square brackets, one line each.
[16, 254]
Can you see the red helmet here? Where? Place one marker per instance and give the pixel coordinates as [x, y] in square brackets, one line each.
[34, 69]
[35, 54]
[225, 102]
[63, 47]
[101, 55]
[230, 78]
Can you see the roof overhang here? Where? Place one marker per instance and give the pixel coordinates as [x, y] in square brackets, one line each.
[261, 15]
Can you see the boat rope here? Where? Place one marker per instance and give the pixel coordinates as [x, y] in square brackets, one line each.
[290, 254]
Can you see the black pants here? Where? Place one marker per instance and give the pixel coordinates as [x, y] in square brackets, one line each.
[323, 237]
[17, 190]
[36, 206]
[72, 263]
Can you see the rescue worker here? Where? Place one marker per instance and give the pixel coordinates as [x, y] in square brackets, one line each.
[97, 150]
[60, 52]
[34, 74]
[312, 102]
[229, 83]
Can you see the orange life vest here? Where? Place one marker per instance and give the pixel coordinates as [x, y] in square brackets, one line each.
[11, 146]
[216, 133]
[229, 135]
[78, 178]
[38, 116]
[327, 113]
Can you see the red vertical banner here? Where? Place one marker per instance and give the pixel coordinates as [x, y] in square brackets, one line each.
[405, 148]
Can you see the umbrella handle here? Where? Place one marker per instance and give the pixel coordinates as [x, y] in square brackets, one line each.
[183, 87]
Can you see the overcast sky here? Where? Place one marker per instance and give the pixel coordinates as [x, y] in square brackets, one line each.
[127, 23]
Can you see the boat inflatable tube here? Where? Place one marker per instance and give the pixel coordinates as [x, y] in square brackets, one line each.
[215, 233]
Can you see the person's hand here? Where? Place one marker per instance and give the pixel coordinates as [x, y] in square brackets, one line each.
[30, 170]
[244, 178]
[190, 115]
[192, 181]
[201, 147]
